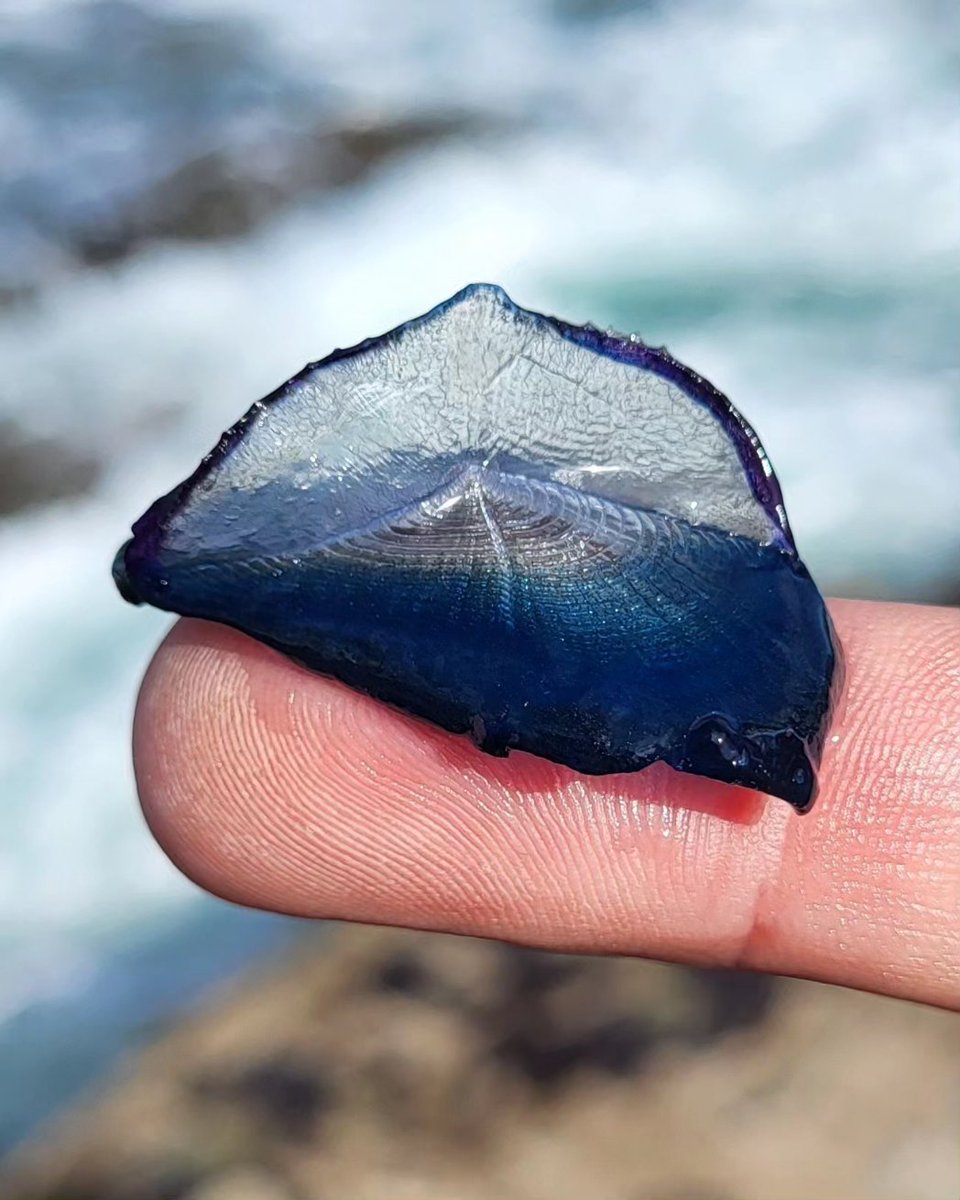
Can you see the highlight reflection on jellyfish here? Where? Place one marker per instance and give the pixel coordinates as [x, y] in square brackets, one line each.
[555, 539]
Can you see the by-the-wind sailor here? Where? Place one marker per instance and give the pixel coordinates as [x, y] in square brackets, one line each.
[555, 539]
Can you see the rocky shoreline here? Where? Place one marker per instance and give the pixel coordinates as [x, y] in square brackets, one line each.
[379, 1063]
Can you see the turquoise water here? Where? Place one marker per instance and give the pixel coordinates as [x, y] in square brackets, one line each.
[772, 190]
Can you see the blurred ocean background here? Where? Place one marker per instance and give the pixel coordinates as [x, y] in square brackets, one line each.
[199, 196]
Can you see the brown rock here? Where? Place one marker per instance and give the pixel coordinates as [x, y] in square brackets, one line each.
[383, 1063]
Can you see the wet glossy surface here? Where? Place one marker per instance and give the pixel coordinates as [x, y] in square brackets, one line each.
[551, 538]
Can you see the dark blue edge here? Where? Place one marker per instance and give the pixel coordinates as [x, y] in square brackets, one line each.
[679, 755]
[684, 754]
[763, 482]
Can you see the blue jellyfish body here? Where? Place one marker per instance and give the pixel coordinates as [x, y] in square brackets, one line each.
[554, 539]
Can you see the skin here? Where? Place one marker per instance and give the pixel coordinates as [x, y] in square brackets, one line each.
[276, 788]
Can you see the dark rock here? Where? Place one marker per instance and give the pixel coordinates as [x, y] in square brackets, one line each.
[734, 999]
[222, 194]
[35, 472]
[290, 1096]
[403, 973]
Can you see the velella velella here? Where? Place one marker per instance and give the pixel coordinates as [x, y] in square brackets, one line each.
[551, 538]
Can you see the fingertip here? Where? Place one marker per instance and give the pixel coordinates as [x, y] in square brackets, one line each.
[197, 666]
